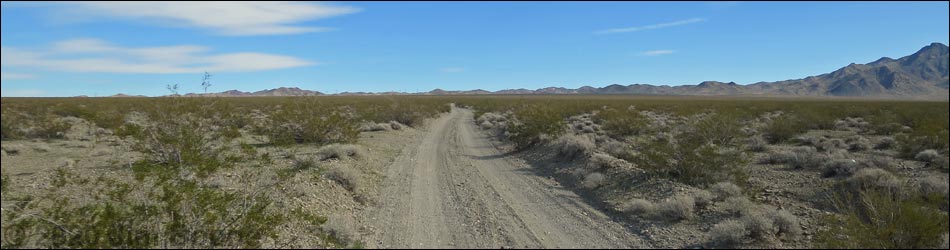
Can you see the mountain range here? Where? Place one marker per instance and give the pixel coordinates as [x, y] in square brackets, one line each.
[922, 75]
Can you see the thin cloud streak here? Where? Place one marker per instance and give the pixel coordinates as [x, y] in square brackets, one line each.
[650, 27]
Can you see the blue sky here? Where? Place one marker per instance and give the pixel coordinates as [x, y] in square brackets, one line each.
[97, 49]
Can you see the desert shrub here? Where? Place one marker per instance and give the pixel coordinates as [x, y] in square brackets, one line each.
[928, 156]
[911, 145]
[690, 160]
[728, 233]
[13, 149]
[175, 213]
[486, 125]
[858, 144]
[703, 198]
[783, 128]
[304, 163]
[8, 126]
[739, 206]
[342, 231]
[840, 168]
[874, 179]
[49, 127]
[601, 160]
[884, 220]
[725, 190]
[339, 151]
[786, 224]
[594, 180]
[638, 207]
[184, 142]
[572, 147]
[886, 143]
[396, 125]
[4, 183]
[934, 186]
[757, 144]
[799, 158]
[533, 123]
[303, 125]
[675, 209]
[758, 224]
[374, 127]
[718, 129]
[622, 123]
[346, 177]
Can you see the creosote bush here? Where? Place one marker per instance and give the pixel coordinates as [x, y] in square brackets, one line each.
[884, 220]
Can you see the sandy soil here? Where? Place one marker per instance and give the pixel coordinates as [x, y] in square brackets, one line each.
[455, 190]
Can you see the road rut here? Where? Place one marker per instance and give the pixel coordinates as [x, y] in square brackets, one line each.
[456, 190]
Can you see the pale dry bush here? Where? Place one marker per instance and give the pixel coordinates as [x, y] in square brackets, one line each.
[374, 127]
[928, 156]
[573, 147]
[703, 198]
[342, 229]
[739, 206]
[934, 185]
[601, 160]
[41, 148]
[638, 207]
[728, 233]
[676, 209]
[757, 144]
[874, 178]
[594, 180]
[347, 177]
[758, 225]
[486, 125]
[13, 149]
[725, 190]
[798, 158]
[339, 151]
[886, 143]
[858, 144]
[786, 224]
[396, 125]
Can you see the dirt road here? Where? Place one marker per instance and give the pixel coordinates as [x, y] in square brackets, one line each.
[455, 190]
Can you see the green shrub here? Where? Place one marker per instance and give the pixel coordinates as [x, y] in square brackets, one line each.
[691, 161]
[883, 220]
[533, 123]
[911, 145]
[622, 123]
[783, 129]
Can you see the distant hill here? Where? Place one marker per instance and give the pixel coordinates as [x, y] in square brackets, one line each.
[269, 92]
[922, 75]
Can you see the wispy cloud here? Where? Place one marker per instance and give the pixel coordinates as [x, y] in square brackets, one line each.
[92, 55]
[15, 76]
[23, 93]
[650, 27]
[224, 18]
[453, 70]
[657, 52]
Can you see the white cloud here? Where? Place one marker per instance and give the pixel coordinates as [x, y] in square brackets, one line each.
[92, 55]
[650, 27]
[15, 76]
[657, 52]
[22, 93]
[453, 70]
[225, 18]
